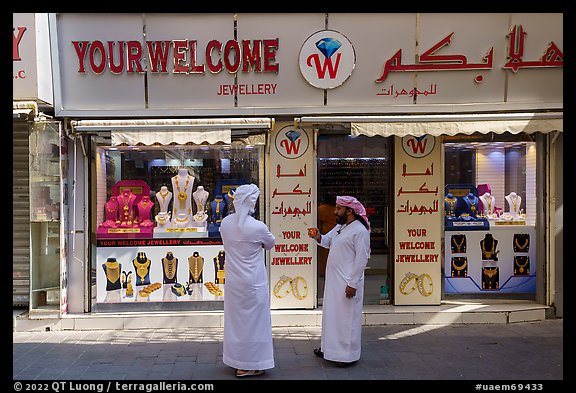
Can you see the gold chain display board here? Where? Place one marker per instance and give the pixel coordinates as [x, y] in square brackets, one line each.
[292, 199]
[418, 190]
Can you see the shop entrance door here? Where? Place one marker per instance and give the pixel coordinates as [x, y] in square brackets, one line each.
[360, 167]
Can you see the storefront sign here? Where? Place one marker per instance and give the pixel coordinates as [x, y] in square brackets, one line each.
[244, 65]
[176, 56]
[417, 240]
[292, 198]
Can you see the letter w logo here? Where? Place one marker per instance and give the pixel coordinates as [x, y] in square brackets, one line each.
[314, 61]
[292, 147]
[417, 145]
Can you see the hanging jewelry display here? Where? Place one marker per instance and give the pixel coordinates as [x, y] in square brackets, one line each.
[488, 247]
[521, 242]
[521, 265]
[458, 244]
[490, 278]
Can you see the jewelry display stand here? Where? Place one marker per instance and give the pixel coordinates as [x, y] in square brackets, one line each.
[480, 254]
[123, 217]
[461, 209]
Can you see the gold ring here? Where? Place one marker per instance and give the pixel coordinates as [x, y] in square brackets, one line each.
[283, 280]
[409, 277]
[420, 281]
[295, 291]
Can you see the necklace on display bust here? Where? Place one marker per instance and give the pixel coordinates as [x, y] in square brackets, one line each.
[472, 201]
[182, 196]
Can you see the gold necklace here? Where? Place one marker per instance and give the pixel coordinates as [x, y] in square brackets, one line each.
[163, 195]
[170, 267]
[456, 267]
[488, 253]
[521, 267]
[144, 203]
[141, 266]
[490, 273]
[182, 196]
[195, 265]
[523, 247]
[114, 208]
[112, 270]
[472, 203]
[458, 246]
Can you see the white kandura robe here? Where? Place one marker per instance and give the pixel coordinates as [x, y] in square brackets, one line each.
[247, 320]
[342, 317]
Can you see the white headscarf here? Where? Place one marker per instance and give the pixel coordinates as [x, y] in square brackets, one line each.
[245, 199]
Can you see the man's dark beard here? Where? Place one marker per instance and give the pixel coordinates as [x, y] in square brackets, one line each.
[341, 220]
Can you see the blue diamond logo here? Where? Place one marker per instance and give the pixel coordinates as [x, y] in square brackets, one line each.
[293, 135]
[328, 46]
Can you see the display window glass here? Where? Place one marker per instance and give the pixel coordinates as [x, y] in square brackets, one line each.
[157, 216]
[490, 205]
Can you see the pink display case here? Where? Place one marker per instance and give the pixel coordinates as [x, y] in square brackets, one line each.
[139, 188]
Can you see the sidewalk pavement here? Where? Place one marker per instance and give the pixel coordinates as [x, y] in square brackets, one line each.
[516, 352]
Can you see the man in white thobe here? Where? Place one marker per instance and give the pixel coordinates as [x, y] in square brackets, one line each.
[349, 245]
[247, 322]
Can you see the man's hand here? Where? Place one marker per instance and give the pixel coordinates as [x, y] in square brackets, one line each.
[314, 233]
[350, 292]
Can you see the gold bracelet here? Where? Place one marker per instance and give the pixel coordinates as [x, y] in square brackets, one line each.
[420, 281]
[295, 291]
[409, 277]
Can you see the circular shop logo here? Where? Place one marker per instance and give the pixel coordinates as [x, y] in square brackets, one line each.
[327, 59]
[291, 142]
[418, 146]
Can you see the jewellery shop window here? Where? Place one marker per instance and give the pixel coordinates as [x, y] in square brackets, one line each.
[490, 217]
[158, 215]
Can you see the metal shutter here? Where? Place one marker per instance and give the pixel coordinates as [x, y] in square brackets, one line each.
[21, 217]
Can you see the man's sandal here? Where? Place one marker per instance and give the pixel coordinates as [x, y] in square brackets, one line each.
[248, 373]
[318, 352]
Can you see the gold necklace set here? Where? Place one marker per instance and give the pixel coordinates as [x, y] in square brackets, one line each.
[170, 265]
[458, 246]
[112, 270]
[472, 203]
[142, 264]
[459, 268]
[521, 266]
[195, 266]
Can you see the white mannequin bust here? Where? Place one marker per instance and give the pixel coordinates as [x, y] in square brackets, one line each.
[163, 197]
[182, 207]
[488, 201]
[200, 198]
[200, 218]
[514, 200]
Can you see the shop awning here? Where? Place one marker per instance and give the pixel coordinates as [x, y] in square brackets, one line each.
[23, 109]
[170, 131]
[453, 124]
